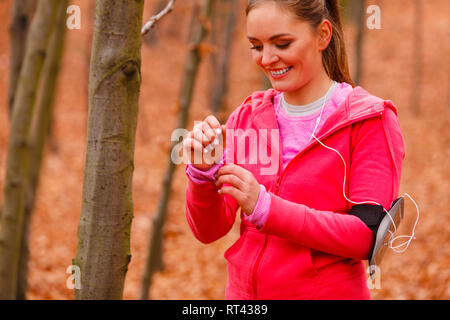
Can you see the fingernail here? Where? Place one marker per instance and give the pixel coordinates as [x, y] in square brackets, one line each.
[216, 142]
[218, 131]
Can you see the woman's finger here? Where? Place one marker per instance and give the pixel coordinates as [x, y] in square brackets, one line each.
[217, 128]
[236, 170]
[214, 124]
[208, 131]
[192, 151]
[230, 179]
[192, 144]
[199, 135]
[232, 191]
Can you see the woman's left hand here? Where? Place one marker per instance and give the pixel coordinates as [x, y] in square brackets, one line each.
[243, 186]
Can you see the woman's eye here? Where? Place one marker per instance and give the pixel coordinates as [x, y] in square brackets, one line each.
[283, 45]
[257, 48]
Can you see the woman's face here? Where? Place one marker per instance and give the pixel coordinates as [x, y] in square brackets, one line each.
[287, 49]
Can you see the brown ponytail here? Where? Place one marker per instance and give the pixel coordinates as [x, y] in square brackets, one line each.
[334, 57]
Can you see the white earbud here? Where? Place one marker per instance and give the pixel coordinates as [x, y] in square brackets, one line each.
[396, 248]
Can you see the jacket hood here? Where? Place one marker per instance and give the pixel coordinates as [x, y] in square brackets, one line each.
[358, 105]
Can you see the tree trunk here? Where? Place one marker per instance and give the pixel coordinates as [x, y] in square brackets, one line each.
[358, 9]
[154, 256]
[222, 62]
[103, 251]
[20, 21]
[18, 148]
[39, 132]
[416, 91]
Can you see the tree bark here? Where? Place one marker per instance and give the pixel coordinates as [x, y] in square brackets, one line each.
[18, 148]
[154, 256]
[416, 91]
[103, 251]
[21, 13]
[221, 68]
[39, 132]
[358, 9]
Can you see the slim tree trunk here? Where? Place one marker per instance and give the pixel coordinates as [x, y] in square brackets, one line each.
[39, 132]
[154, 256]
[20, 21]
[11, 222]
[359, 7]
[416, 91]
[221, 68]
[103, 251]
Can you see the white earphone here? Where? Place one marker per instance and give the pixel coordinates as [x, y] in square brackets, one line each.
[406, 243]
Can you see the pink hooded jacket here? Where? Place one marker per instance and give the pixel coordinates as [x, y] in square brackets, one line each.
[309, 247]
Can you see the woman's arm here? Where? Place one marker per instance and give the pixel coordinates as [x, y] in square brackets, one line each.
[371, 177]
[210, 215]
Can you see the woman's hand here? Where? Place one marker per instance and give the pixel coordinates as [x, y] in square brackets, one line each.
[199, 144]
[243, 186]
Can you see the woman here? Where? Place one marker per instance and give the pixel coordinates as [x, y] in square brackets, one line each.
[302, 234]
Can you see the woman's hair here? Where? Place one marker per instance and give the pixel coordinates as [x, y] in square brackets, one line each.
[334, 57]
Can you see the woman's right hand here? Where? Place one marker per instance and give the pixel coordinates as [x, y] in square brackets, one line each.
[204, 145]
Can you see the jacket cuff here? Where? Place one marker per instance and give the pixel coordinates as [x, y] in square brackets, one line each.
[259, 215]
[200, 176]
[193, 183]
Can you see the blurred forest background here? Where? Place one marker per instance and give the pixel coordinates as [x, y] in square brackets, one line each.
[406, 61]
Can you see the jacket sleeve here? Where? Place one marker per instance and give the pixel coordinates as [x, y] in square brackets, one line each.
[210, 215]
[372, 177]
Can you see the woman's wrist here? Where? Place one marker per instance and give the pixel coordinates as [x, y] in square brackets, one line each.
[259, 215]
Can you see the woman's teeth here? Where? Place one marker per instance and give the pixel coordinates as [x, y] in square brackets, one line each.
[280, 72]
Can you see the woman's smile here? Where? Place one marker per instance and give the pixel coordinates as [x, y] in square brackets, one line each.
[279, 73]
[288, 51]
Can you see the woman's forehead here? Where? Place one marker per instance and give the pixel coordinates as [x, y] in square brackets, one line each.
[269, 20]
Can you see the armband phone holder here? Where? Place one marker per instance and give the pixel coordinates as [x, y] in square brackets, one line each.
[384, 233]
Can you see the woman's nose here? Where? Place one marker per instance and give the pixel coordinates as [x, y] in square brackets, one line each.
[268, 58]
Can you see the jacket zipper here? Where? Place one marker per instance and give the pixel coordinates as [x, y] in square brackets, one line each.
[280, 176]
[266, 237]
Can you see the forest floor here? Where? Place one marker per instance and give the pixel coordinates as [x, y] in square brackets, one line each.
[197, 271]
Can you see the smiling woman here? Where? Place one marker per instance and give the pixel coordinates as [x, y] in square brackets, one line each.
[301, 236]
[292, 42]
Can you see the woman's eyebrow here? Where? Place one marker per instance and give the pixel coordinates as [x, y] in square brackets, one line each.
[272, 37]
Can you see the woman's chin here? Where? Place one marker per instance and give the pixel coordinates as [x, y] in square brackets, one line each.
[281, 87]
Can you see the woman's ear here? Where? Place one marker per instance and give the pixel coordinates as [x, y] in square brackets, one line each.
[325, 31]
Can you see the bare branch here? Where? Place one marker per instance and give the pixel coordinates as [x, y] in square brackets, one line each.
[153, 20]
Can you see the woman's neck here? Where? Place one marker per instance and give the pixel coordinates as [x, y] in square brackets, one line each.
[310, 92]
